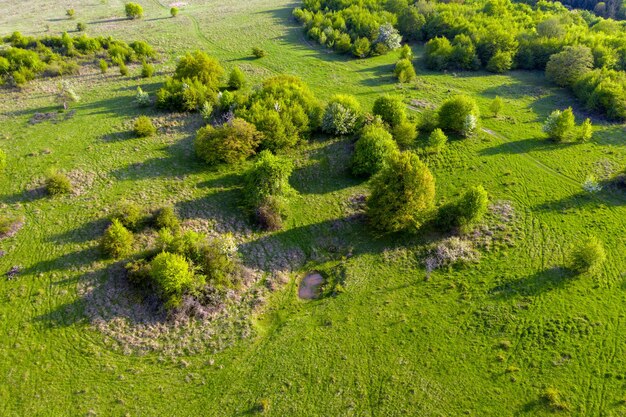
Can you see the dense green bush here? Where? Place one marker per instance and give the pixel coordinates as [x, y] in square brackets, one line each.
[230, 143]
[81, 27]
[405, 133]
[437, 140]
[198, 65]
[237, 79]
[167, 218]
[258, 52]
[403, 194]
[568, 66]
[147, 70]
[117, 241]
[467, 211]
[586, 131]
[57, 183]
[559, 126]
[133, 10]
[142, 98]
[454, 114]
[390, 109]
[172, 276]
[188, 95]
[588, 256]
[500, 62]
[372, 151]
[70, 13]
[143, 127]
[361, 47]
[104, 67]
[342, 115]
[496, 106]
[129, 214]
[217, 263]
[3, 161]
[404, 71]
[174, 11]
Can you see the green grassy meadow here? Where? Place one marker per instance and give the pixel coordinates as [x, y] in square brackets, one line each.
[482, 340]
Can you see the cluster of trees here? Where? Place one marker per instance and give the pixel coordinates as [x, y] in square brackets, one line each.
[614, 9]
[27, 57]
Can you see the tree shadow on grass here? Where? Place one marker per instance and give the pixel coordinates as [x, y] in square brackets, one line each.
[610, 195]
[112, 20]
[381, 74]
[72, 260]
[25, 196]
[535, 284]
[524, 146]
[86, 232]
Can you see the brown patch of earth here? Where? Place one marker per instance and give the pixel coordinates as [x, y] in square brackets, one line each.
[310, 286]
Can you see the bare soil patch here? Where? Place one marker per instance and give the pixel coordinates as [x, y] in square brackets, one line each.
[310, 286]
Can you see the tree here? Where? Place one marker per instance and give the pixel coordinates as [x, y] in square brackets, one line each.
[496, 106]
[406, 52]
[361, 47]
[237, 79]
[410, 23]
[471, 208]
[437, 140]
[438, 53]
[133, 10]
[269, 176]
[389, 37]
[567, 67]
[147, 70]
[463, 54]
[70, 13]
[371, 152]
[117, 241]
[588, 256]
[172, 276]
[500, 62]
[458, 113]
[560, 124]
[258, 52]
[232, 142]
[586, 131]
[390, 109]
[342, 115]
[174, 11]
[404, 71]
[198, 65]
[403, 194]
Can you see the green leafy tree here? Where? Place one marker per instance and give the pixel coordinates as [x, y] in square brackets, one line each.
[117, 241]
[147, 70]
[588, 256]
[560, 125]
[103, 66]
[496, 106]
[361, 47]
[404, 133]
[174, 11]
[172, 276]
[586, 131]
[438, 53]
[230, 143]
[133, 11]
[342, 115]
[406, 52]
[500, 62]
[371, 152]
[198, 65]
[437, 140]
[403, 194]
[404, 71]
[567, 67]
[391, 109]
[456, 114]
[237, 79]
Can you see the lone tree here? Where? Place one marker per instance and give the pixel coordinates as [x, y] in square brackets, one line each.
[496, 106]
[560, 125]
[133, 10]
[459, 114]
[467, 211]
[588, 256]
[403, 194]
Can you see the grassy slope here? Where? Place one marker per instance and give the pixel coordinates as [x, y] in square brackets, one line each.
[393, 344]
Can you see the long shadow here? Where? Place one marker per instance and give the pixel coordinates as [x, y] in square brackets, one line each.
[380, 74]
[610, 195]
[536, 284]
[524, 146]
[25, 196]
[73, 260]
[117, 19]
[84, 233]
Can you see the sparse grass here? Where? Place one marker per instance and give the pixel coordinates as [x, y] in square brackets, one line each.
[391, 343]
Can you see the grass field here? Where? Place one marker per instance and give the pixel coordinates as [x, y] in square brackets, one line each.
[484, 340]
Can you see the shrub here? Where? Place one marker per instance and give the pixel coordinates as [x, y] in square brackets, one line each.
[147, 70]
[258, 52]
[70, 13]
[406, 52]
[496, 106]
[568, 66]
[142, 98]
[167, 218]
[454, 112]
[560, 125]
[404, 71]
[81, 27]
[438, 53]
[123, 69]
[468, 210]
[389, 37]
[342, 115]
[437, 140]
[129, 214]
[103, 66]
[403, 194]
[361, 47]
[405, 133]
[142, 49]
[588, 256]
[269, 176]
[143, 127]
[232, 142]
[3, 161]
[225, 101]
[371, 152]
[215, 259]
[117, 241]
[188, 95]
[206, 111]
[237, 79]
[586, 131]
[133, 10]
[174, 11]
[200, 66]
[172, 276]
[390, 109]
[57, 183]
[500, 62]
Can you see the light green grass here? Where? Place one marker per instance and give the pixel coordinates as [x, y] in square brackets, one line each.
[393, 343]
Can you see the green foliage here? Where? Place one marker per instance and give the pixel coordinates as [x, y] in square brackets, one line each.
[217, 263]
[103, 66]
[198, 65]
[567, 67]
[404, 71]
[133, 10]
[230, 143]
[172, 276]
[603, 91]
[454, 113]
[559, 126]
[174, 11]
[147, 70]
[123, 69]
[3, 161]
[142, 98]
[390, 109]
[188, 95]
[438, 53]
[372, 151]
[588, 256]
[237, 79]
[403, 194]
[81, 27]
[496, 106]
[269, 176]
[57, 183]
[500, 62]
[117, 241]
[342, 115]
[467, 211]
[129, 214]
[258, 52]
[437, 140]
[143, 127]
[405, 133]
[586, 131]
[406, 52]
[361, 47]
[167, 218]
[70, 13]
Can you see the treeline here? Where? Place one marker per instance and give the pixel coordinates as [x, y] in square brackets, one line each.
[614, 9]
[496, 35]
[24, 57]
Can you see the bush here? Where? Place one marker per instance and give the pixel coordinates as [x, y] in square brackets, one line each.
[438, 53]
[81, 27]
[404, 71]
[232, 142]
[586, 131]
[467, 211]
[258, 52]
[216, 261]
[206, 111]
[129, 214]
[559, 125]
[103, 66]
[496, 106]
[167, 218]
[3, 161]
[174, 11]
[133, 10]
[437, 140]
[361, 47]
[406, 53]
[500, 62]
[147, 70]
[57, 183]
[172, 276]
[142, 98]
[269, 176]
[405, 133]
[189, 95]
[390, 109]
[143, 127]
[403, 194]
[588, 256]
[70, 13]
[454, 113]
[568, 66]
[371, 152]
[342, 115]
[200, 66]
[237, 79]
[123, 69]
[117, 241]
